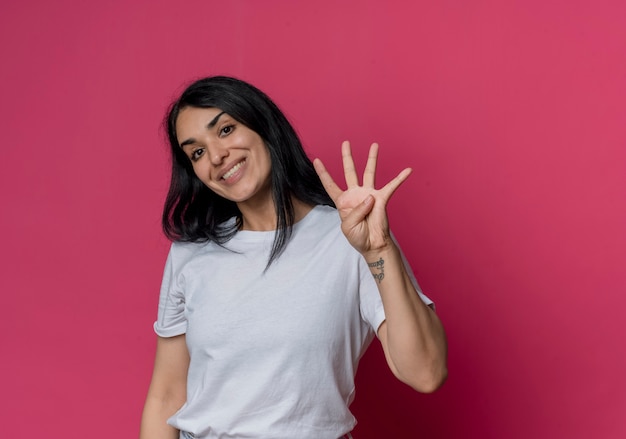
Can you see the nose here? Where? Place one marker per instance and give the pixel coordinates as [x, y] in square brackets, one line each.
[217, 153]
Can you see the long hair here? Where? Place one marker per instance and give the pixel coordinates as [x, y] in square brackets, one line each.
[194, 213]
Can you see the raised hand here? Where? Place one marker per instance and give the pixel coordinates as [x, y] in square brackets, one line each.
[362, 208]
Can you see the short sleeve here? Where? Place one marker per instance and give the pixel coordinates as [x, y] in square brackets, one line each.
[171, 320]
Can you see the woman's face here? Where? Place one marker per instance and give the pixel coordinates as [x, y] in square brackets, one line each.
[228, 157]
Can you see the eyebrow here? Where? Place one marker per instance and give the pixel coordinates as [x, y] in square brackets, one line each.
[208, 127]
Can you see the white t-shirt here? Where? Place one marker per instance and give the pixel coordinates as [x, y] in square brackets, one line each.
[273, 353]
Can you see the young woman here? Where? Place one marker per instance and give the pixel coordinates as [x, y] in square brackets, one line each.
[277, 280]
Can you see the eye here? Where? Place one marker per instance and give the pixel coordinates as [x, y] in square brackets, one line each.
[226, 130]
[196, 154]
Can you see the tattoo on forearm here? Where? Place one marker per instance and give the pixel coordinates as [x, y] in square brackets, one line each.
[380, 266]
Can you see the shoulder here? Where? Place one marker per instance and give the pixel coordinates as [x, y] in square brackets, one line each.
[322, 214]
[322, 228]
[320, 221]
[182, 252]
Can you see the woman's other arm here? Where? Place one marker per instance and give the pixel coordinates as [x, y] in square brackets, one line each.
[168, 388]
[412, 335]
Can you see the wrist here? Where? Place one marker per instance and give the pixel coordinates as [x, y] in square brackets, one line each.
[386, 251]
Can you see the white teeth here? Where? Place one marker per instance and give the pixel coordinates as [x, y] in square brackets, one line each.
[233, 170]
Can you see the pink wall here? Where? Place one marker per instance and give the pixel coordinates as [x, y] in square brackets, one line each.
[511, 113]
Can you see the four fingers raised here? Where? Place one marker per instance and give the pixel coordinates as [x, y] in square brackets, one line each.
[351, 177]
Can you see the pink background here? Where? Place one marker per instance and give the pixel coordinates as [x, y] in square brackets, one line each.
[512, 114]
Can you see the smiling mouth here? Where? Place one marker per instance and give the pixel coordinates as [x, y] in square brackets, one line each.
[232, 170]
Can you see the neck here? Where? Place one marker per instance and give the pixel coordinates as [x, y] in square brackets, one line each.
[261, 216]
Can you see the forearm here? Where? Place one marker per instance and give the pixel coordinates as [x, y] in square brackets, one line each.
[154, 419]
[414, 338]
